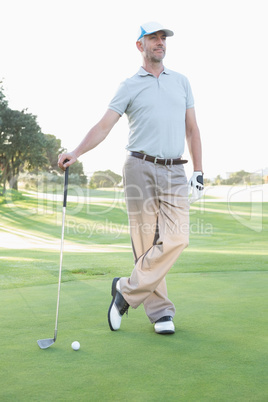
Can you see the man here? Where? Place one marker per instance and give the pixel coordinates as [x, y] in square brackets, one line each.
[160, 110]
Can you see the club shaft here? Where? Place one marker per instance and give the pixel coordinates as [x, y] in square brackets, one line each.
[61, 250]
[60, 272]
[46, 343]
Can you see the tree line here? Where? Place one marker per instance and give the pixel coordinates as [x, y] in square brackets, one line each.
[25, 148]
[238, 178]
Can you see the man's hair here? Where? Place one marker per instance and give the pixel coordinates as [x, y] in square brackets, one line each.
[141, 40]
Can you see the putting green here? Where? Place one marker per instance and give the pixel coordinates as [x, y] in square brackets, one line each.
[219, 351]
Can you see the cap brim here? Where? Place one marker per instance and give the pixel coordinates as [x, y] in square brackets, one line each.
[168, 32]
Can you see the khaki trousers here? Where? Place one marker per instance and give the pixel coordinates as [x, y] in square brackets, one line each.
[158, 211]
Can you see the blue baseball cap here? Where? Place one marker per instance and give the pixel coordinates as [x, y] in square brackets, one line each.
[150, 27]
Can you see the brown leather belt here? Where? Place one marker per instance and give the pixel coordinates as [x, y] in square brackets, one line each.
[161, 161]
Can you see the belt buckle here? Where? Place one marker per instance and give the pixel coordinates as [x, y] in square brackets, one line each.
[155, 160]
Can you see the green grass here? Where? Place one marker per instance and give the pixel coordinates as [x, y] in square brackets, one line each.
[53, 188]
[219, 287]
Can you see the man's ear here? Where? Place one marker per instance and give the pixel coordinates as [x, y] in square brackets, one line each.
[139, 46]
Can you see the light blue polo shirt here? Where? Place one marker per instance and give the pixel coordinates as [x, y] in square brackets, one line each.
[156, 109]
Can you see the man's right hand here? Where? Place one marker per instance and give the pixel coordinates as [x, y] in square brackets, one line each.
[66, 159]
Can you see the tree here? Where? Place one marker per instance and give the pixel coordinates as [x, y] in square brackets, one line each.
[218, 180]
[105, 178]
[3, 102]
[53, 149]
[22, 145]
[240, 177]
[3, 107]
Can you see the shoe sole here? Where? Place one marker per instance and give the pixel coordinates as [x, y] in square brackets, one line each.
[113, 293]
[167, 332]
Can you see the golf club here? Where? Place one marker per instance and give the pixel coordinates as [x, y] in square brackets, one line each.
[46, 343]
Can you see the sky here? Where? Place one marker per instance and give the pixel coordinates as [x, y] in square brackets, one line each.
[64, 60]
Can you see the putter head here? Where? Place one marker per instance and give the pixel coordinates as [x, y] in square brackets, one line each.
[45, 343]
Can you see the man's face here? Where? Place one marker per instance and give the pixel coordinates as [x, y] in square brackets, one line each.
[154, 47]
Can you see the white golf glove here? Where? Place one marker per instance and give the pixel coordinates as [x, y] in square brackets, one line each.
[196, 186]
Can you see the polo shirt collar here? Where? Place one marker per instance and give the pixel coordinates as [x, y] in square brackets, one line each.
[142, 72]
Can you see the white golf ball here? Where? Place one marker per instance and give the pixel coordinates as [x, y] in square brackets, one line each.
[76, 345]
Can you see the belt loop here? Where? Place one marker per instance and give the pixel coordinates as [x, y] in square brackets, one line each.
[171, 164]
[155, 160]
[165, 162]
[144, 158]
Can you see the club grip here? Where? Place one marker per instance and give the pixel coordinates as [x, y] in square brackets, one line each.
[65, 186]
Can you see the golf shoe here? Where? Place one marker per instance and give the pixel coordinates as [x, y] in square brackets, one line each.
[164, 325]
[118, 306]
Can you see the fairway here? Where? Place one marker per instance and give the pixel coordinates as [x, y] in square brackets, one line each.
[219, 286]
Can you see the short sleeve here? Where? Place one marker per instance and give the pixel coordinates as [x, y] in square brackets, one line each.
[120, 101]
[189, 95]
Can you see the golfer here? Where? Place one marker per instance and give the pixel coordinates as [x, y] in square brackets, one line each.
[160, 108]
